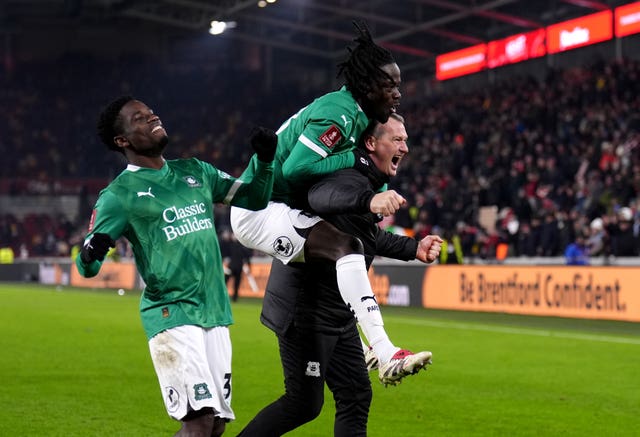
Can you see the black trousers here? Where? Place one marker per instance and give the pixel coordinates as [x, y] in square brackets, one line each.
[236, 275]
[309, 359]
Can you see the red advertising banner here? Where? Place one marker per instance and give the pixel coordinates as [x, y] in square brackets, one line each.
[461, 62]
[627, 19]
[516, 48]
[580, 32]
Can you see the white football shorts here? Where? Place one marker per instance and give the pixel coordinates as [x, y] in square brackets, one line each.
[193, 366]
[277, 230]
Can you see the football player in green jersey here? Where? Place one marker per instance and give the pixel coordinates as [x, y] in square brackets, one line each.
[165, 209]
[316, 141]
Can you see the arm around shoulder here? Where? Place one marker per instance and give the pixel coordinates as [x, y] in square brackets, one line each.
[257, 179]
[343, 192]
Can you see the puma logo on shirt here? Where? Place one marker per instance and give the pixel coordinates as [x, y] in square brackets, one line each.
[146, 193]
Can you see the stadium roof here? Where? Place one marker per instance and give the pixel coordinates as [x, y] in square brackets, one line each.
[414, 30]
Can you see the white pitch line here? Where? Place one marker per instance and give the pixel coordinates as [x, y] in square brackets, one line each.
[520, 331]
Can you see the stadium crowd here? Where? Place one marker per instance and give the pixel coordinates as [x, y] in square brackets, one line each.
[534, 165]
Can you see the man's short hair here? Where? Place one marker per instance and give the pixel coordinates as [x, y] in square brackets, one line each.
[374, 128]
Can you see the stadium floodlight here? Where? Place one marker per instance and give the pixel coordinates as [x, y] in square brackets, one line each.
[217, 27]
[271, 1]
[262, 4]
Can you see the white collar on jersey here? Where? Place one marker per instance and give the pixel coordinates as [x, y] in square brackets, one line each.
[132, 167]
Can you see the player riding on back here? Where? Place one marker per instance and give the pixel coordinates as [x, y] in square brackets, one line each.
[318, 140]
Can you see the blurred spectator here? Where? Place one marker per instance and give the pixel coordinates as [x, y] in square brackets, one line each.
[549, 236]
[623, 240]
[6, 255]
[577, 253]
[598, 238]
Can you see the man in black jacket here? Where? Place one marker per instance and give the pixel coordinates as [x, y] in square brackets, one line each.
[317, 333]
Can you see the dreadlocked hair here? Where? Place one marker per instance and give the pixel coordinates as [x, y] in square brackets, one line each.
[110, 123]
[361, 69]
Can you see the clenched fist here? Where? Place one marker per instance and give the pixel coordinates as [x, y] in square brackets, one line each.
[96, 247]
[386, 203]
[264, 142]
[429, 248]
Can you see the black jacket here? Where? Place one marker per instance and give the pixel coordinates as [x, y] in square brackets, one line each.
[307, 294]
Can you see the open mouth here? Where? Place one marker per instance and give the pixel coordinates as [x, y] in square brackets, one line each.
[396, 160]
[156, 128]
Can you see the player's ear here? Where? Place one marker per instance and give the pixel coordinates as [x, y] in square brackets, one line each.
[120, 141]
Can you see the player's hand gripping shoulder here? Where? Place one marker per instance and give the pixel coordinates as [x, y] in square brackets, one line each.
[96, 248]
[386, 203]
[429, 248]
[264, 142]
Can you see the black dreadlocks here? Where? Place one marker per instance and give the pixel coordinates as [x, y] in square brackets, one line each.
[110, 124]
[362, 68]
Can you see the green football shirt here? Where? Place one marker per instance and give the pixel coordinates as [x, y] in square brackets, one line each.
[317, 141]
[167, 216]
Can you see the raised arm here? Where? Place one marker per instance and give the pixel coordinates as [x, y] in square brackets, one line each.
[348, 191]
[252, 190]
[405, 248]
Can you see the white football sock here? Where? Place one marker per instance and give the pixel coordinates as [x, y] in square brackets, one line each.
[356, 291]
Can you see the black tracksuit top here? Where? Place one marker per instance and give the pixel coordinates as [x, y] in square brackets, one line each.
[307, 293]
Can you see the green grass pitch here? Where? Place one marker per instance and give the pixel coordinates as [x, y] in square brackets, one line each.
[75, 363]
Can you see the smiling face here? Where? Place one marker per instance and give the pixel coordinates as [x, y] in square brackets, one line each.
[388, 145]
[384, 97]
[142, 131]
